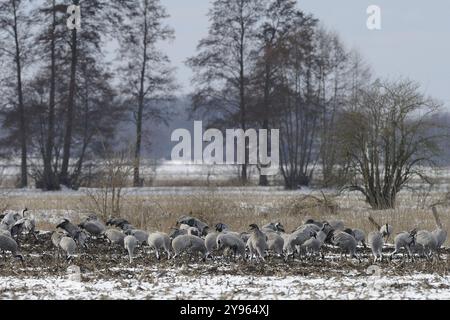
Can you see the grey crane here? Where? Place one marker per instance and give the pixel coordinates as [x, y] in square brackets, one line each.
[189, 243]
[119, 223]
[221, 227]
[405, 240]
[439, 233]
[93, 226]
[258, 241]
[358, 234]
[295, 240]
[313, 245]
[273, 226]
[115, 236]
[193, 222]
[275, 242]
[12, 217]
[232, 242]
[68, 245]
[211, 242]
[159, 241]
[346, 242]
[24, 225]
[10, 245]
[426, 243]
[73, 231]
[375, 240]
[141, 235]
[130, 243]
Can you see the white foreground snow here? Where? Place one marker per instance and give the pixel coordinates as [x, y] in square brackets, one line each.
[173, 286]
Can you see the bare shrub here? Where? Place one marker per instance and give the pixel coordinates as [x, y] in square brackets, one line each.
[305, 204]
[112, 177]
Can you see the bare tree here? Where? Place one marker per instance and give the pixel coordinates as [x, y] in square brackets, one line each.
[113, 176]
[148, 76]
[280, 17]
[58, 123]
[13, 36]
[224, 62]
[298, 112]
[387, 139]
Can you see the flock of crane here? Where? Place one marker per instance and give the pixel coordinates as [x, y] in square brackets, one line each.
[194, 237]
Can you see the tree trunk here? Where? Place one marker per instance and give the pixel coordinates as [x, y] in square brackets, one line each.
[64, 176]
[139, 117]
[75, 178]
[137, 150]
[50, 181]
[22, 124]
[242, 106]
[263, 181]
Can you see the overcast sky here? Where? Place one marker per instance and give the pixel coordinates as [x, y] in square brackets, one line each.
[414, 40]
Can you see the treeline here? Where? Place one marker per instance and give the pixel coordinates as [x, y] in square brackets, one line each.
[264, 64]
[64, 95]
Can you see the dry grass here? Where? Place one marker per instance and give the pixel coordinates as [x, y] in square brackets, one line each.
[239, 208]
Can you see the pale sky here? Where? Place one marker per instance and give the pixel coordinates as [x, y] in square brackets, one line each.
[414, 40]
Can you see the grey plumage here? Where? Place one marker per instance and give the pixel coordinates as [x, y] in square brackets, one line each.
[386, 230]
[159, 241]
[439, 233]
[193, 231]
[244, 236]
[404, 240]
[176, 233]
[221, 227]
[273, 226]
[312, 221]
[69, 227]
[275, 242]
[440, 236]
[346, 243]
[11, 218]
[116, 222]
[56, 238]
[232, 242]
[360, 236]
[68, 245]
[119, 223]
[93, 227]
[296, 239]
[258, 241]
[313, 245]
[74, 232]
[115, 236]
[183, 226]
[24, 225]
[193, 222]
[426, 243]
[337, 224]
[375, 241]
[185, 230]
[10, 245]
[5, 232]
[130, 243]
[308, 228]
[140, 235]
[211, 242]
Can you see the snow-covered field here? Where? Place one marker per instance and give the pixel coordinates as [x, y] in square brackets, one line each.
[106, 274]
[172, 285]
